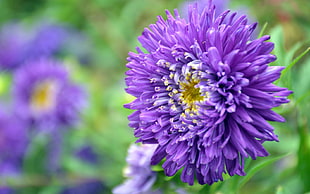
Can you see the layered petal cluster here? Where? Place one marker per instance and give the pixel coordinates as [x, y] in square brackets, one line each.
[45, 96]
[204, 93]
[140, 175]
[221, 6]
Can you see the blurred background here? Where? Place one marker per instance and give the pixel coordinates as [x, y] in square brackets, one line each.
[90, 40]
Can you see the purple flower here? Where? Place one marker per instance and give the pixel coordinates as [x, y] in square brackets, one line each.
[19, 44]
[204, 93]
[44, 95]
[140, 175]
[88, 155]
[89, 187]
[6, 190]
[13, 144]
[14, 45]
[47, 40]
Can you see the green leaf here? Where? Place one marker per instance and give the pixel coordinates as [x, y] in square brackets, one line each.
[35, 162]
[280, 190]
[5, 83]
[157, 168]
[300, 82]
[290, 54]
[51, 190]
[258, 167]
[261, 33]
[278, 40]
[295, 61]
[205, 189]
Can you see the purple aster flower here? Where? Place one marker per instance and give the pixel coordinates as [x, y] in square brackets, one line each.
[140, 175]
[13, 143]
[44, 95]
[204, 93]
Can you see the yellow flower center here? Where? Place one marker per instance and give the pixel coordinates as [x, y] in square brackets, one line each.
[44, 96]
[190, 94]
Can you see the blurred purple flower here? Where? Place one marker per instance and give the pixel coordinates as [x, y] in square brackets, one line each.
[52, 39]
[13, 46]
[89, 187]
[54, 151]
[139, 173]
[204, 94]
[45, 96]
[6, 190]
[20, 44]
[48, 40]
[13, 144]
[87, 154]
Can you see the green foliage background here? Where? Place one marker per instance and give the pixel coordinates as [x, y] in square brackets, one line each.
[112, 27]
